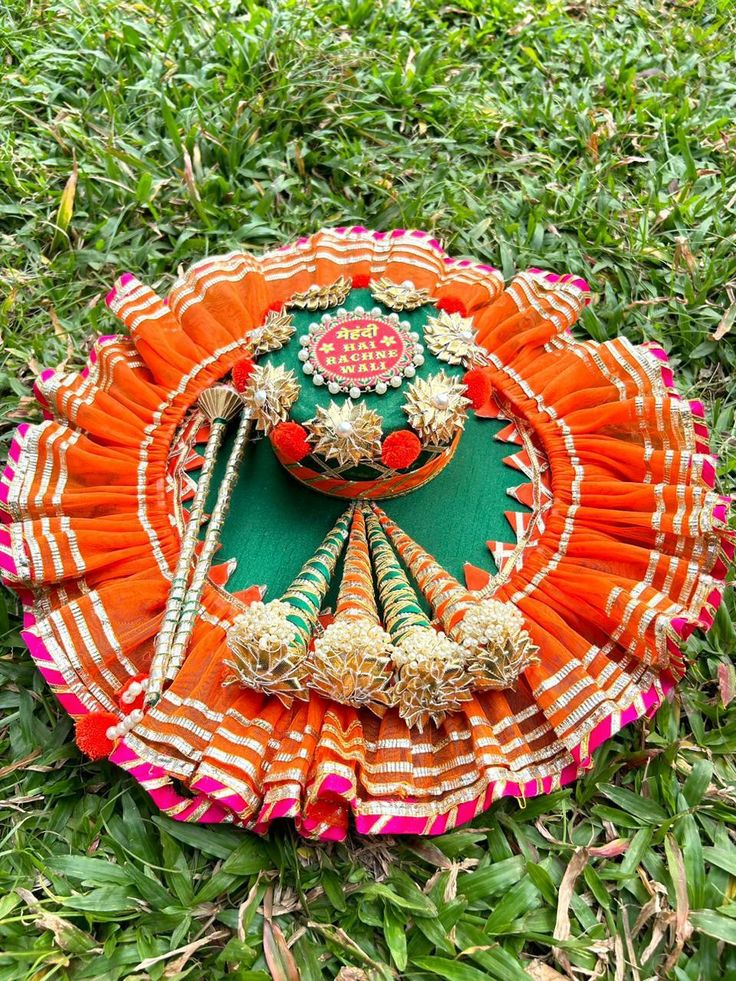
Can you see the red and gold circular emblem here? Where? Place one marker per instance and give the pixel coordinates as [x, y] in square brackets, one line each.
[356, 351]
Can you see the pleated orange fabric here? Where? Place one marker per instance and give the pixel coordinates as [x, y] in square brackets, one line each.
[629, 536]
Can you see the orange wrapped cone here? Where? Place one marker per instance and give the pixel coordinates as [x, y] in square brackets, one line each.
[351, 661]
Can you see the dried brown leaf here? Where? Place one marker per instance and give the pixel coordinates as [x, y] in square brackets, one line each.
[726, 682]
[567, 887]
[279, 958]
[684, 257]
[726, 322]
[540, 971]
[189, 179]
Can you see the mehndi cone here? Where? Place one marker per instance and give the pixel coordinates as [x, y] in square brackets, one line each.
[351, 661]
[431, 676]
[491, 632]
[269, 641]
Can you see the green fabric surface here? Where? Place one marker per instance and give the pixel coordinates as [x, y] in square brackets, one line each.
[276, 523]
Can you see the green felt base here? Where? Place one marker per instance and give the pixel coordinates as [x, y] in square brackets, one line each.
[275, 523]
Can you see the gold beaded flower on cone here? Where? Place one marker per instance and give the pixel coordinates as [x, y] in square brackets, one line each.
[349, 433]
[497, 644]
[266, 654]
[436, 407]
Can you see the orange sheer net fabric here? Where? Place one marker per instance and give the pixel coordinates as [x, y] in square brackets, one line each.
[631, 557]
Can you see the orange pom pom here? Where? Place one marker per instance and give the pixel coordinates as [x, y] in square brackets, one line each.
[362, 281]
[241, 373]
[91, 734]
[400, 449]
[477, 387]
[451, 304]
[132, 694]
[276, 307]
[290, 440]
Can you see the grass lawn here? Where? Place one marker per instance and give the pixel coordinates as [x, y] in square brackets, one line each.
[595, 137]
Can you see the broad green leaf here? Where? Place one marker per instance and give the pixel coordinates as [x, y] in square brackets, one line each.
[639, 807]
[451, 970]
[715, 924]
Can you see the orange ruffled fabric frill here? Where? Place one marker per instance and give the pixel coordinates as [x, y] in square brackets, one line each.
[629, 559]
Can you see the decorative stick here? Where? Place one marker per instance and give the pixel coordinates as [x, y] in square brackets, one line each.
[190, 607]
[219, 404]
[193, 594]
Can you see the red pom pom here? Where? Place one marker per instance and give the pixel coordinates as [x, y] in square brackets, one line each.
[276, 307]
[91, 734]
[361, 282]
[451, 304]
[241, 373]
[129, 699]
[477, 387]
[290, 439]
[400, 449]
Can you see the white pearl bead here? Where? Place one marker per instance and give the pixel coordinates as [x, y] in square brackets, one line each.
[303, 355]
[326, 318]
[308, 368]
[408, 284]
[414, 335]
[127, 697]
[333, 388]
[410, 371]
[304, 340]
[467, 335]
[318, 380]
[418, 359]
[381, 388]
[441, 400]
[344, 428]
[375, 311]
[135, 689]
[395, 381]
[135, 716]
[260, 397]
[354, 393]
[358, 311]
[111, 733]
